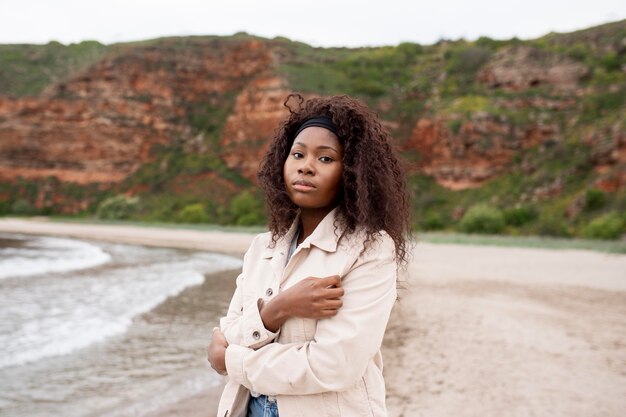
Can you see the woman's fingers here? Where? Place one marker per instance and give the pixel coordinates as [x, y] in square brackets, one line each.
[330, 282]
[324, 314]
[333, 293]
[333, 304]
[330, 293]
[327, 308]
[218, 337]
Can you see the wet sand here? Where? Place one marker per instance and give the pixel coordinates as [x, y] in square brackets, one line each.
[478, 331]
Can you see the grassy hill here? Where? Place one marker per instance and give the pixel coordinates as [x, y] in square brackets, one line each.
[557, 187]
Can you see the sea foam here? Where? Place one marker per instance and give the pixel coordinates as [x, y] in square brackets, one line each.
[63, 312]
[41, 255]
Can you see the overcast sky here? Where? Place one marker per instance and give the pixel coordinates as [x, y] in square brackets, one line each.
[319, 23]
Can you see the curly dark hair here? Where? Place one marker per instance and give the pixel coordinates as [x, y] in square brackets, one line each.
[373, 194]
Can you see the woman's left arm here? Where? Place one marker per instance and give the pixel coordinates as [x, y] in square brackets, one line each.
[343, 345]
[242, 321]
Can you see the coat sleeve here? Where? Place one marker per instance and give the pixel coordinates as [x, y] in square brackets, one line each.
[342, 346]
[243, 319]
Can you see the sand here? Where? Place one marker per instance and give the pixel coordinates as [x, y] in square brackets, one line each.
[478, 331]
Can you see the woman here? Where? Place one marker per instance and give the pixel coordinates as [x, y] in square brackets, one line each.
[303, 331]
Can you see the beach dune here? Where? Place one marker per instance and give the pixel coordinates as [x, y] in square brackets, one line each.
[477, 331]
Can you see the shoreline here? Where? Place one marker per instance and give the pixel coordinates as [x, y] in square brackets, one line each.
[478, 330]
[227, 243]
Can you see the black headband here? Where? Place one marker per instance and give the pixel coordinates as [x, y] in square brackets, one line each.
[320, 121]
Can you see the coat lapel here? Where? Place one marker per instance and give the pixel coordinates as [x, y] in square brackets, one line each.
[325, 236]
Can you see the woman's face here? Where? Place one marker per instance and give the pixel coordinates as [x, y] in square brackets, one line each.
[313, 169]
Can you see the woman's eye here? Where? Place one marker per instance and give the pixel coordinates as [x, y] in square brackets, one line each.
[326, 159]
[297, 155]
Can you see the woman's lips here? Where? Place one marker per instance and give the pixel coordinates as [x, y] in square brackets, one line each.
[303, 186]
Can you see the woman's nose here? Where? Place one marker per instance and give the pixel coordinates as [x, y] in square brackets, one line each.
[306, 167]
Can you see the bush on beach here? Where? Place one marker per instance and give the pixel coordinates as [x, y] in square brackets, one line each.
[434, 221]
[553, 224]
[193, 213]
[607, 226]
[246, 210]
[22, 208]
[482, 218]
[120, 207]
[519, 215]
[5, 208]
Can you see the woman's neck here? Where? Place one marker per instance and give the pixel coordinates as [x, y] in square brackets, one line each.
[309, 219]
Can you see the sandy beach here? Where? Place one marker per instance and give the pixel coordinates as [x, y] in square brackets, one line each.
[478, 330]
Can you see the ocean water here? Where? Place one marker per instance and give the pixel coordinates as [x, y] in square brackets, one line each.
[97, 329]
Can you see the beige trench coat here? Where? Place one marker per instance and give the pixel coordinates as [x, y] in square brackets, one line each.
[330, 367]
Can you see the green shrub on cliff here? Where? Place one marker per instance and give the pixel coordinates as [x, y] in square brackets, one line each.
[551, 223]
[601, 104]
[466, 59]
[482, 218]
[462, 63]
[469, 104]
[246, 210]
[579, 52]
[120, 207]
[193, 213]
[519, 215]
[5, 207]
[607, 226]
[594, 199]
[23, 208]
[613, 61]
[434, 221]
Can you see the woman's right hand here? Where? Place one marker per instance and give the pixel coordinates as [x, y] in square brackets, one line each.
[313, 298]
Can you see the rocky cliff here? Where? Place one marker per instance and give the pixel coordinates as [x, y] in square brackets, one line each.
[160, 116]
[102, 124]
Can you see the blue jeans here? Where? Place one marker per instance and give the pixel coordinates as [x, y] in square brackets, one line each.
[262, 406]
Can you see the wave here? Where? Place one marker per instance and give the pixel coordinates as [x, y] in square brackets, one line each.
[56, 316]
[43, 255]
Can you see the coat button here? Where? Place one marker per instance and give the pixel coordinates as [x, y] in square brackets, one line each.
[269, 292]
[256, 335]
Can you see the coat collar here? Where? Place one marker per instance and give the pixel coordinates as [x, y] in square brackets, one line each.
[325, 236]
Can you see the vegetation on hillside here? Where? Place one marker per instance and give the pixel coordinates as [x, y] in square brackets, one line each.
[26, 70]
[548, 189]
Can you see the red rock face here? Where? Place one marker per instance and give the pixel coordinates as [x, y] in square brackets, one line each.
[101, 125]
[608, 150]
[77, 141]
[608, 146]
[612, 182]
[250, 128]
[481, 150]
